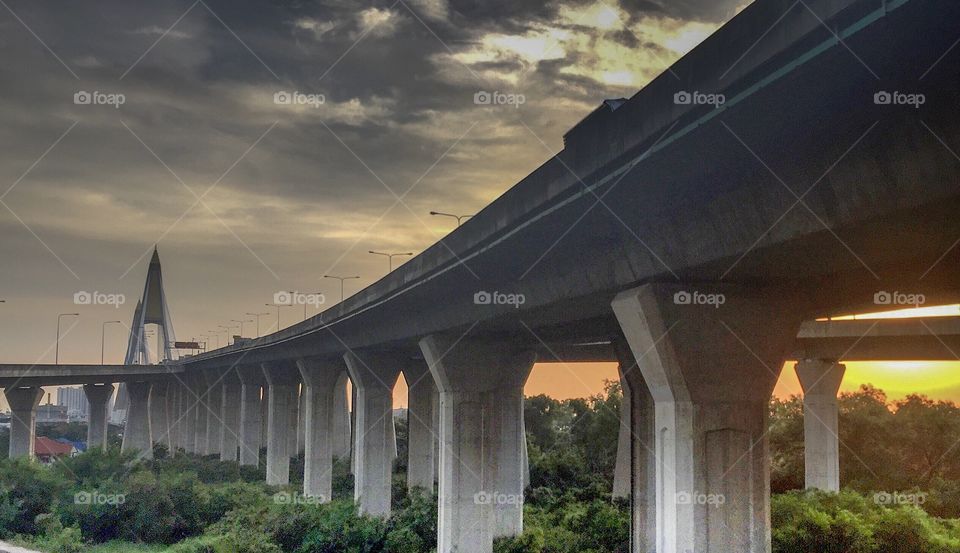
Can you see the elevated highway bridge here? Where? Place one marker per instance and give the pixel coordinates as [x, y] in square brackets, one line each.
[688, 242]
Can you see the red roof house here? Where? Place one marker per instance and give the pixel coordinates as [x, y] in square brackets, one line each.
[47, 449]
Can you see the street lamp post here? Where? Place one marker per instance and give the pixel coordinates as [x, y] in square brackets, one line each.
[390, 256]
[257, 315]
[459, 218]
[103, 329]
[341, 279]
[305, 302]
[216, 336]
[227, 329]
[278, 306]
[241, 324]
[56, 356]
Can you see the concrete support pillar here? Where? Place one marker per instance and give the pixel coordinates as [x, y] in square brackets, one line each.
[23, 419]
[820, 380]
[230, 415]
[319, 385]
[341, 418]
[264, 412]
[189, 411]
[710, 357]
[421, 433]
[481, 440]
[641, 478]
[173, 415]
[374, 376]
[301, 422]
[98, 396]
[201, 413]
[212, 403]
[282, 382]
[294, 413]
[159, 417]
[621, 471]
[251, 379]
[137, 435]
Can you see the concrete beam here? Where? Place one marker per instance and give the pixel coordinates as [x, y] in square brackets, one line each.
[711, 367]
[374, 376]
[212, 402]
[481, 440]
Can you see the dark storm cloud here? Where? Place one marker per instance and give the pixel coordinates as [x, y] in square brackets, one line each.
[293, 199]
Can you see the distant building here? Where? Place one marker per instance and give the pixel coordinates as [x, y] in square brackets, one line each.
[51, 413]
[48, 450]
[78, 409]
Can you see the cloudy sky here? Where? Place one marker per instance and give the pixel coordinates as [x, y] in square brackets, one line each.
[184, 143]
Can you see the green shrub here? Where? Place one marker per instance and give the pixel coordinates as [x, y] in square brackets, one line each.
[26, 491]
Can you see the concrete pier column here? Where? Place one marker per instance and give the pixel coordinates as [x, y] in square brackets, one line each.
[201, 398]
[301, 422]
[341, 418]
[212, 403]
[294, 412]
[191, 391]
[820, 380]
[159, 417]
[173, 415]
[23, 419]
[621, 470]
[137, 435]
[508, 462]
[641, 478]
[230, 415]
[481, 440]
[421, 434]
[710, 356]
[282, 382]
[319, 385]
[98, 396]
[251, 379]
[374, 376]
